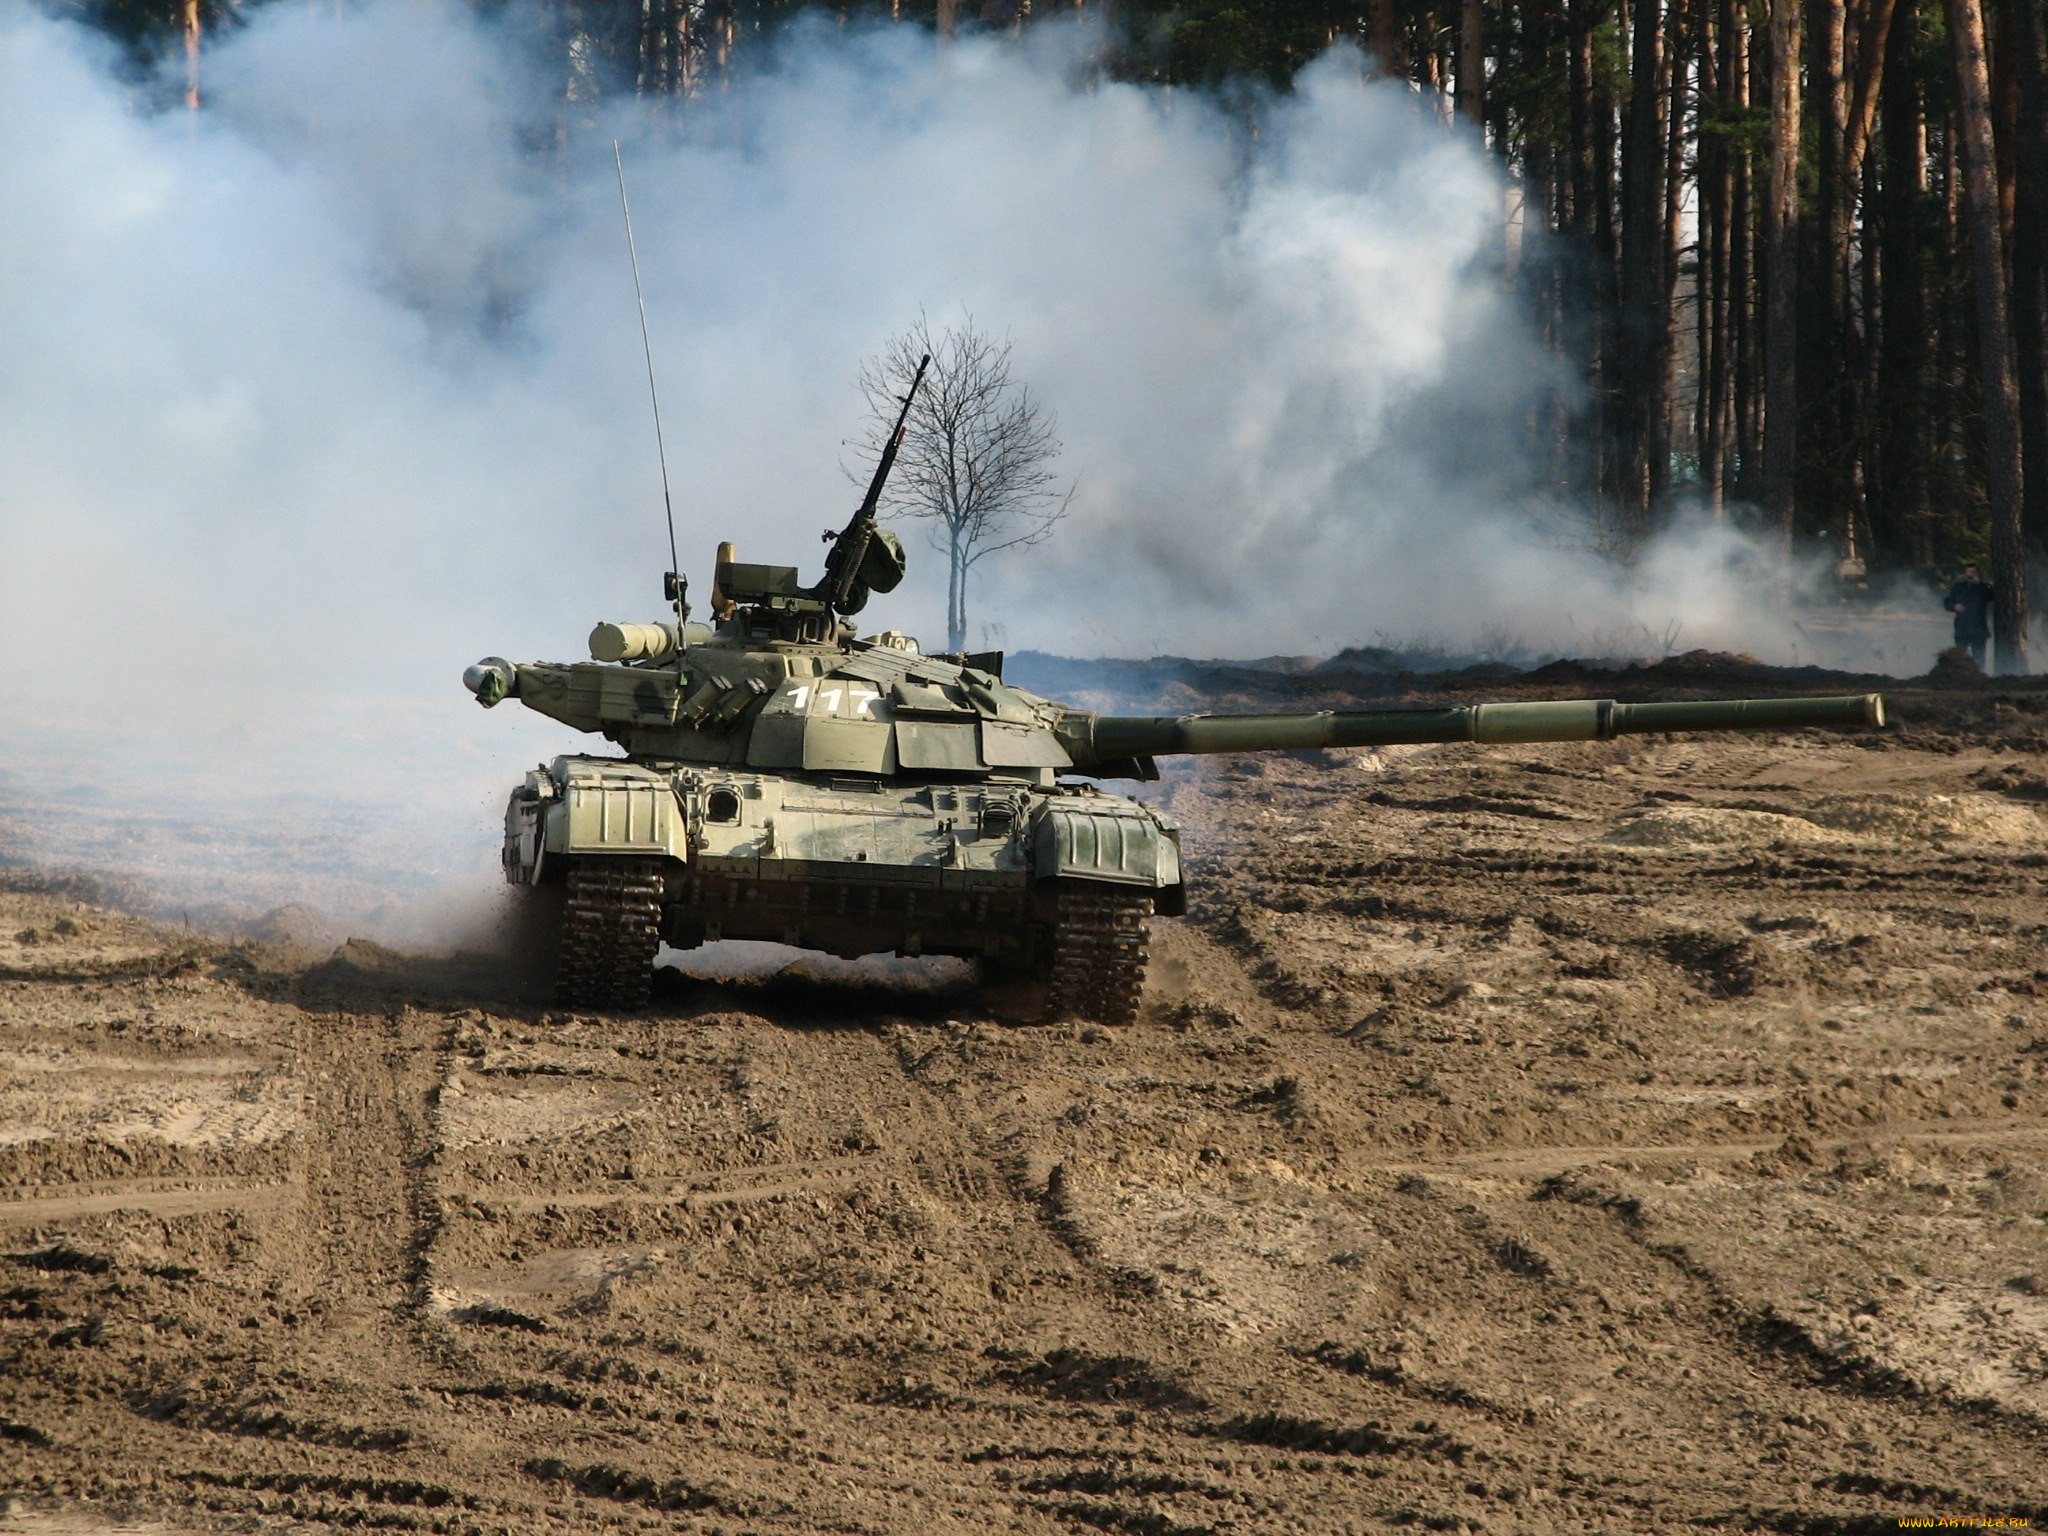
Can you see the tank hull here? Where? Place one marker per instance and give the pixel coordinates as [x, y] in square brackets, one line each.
[843, 865]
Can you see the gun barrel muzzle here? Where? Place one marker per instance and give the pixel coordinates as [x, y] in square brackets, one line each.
[492, 680]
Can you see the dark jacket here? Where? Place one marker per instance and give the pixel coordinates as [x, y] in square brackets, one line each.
[1970, 601]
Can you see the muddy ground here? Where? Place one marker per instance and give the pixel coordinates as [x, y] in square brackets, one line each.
[1620, 1137]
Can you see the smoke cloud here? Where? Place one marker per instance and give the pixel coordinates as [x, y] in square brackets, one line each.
[319, 394]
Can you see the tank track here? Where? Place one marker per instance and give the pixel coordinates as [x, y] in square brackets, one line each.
[610, 931]
[1098, 955]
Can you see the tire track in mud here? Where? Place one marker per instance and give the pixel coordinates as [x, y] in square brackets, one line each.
[1963, 1436]
[745, 1185]
[1545, 1162]
[1166, 1476]
[351, 1264]
[370, 1150]
[185, 1197]
[283, 1313]
[791, 1089]
[942, 1194]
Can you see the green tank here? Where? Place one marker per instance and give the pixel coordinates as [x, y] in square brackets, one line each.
[784, 780]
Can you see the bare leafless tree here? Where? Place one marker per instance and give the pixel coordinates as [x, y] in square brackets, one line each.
[977, 452]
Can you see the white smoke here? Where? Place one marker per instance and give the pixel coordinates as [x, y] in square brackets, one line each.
[315, 396]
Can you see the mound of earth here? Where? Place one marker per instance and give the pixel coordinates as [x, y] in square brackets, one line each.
[1838, 819]
[1684, 826]
[1981, 818]
[298, 926]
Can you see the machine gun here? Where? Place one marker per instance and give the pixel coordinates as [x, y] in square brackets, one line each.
[865, 557]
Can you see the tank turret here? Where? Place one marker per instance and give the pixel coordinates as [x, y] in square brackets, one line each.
[780, 778]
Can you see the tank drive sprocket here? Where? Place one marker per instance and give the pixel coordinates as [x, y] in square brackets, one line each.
[1099, 952]
[611, 928]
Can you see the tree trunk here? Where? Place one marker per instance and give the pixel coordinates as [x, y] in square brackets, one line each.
[188, 26]
[956, 596]
[2005, 105]
[1472, 62]
[1865, 49]
[1781, 277]
[1745, 344]
[1869, 377]
[1579, 117]
[1873, 48]
[1713, 417]
[1590, 282]
[2030, 266]
[1611, 368]
[1671, 97]
[1994, 334]
[1386, 40]
[1427, 58]
[1640, 402]
[1822, 475]
[1578, 330]
[1955, 479]
[665, 51]
[1902, 306]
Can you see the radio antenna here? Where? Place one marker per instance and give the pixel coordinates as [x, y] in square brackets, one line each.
[676, 584]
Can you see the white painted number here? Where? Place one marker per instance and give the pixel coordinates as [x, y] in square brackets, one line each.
[832, 699]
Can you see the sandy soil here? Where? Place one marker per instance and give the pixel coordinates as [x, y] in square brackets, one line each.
[1623, 1137]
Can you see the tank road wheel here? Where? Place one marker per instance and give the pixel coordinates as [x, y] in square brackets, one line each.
[1098, 954]
[610, 931]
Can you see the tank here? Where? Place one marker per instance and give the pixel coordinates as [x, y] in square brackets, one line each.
[779, 777]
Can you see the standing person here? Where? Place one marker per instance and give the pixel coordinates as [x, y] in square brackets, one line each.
[1970, 601]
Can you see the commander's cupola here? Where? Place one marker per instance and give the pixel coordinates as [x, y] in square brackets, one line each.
[766, 603]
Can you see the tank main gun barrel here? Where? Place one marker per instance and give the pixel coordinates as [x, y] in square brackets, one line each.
[1093, 739]
[493, 680]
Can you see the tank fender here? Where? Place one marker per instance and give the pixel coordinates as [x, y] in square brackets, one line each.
[608, 806]
[524, 855]
[1119, 842]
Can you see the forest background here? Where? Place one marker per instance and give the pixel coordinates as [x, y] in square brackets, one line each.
[1795, 251]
